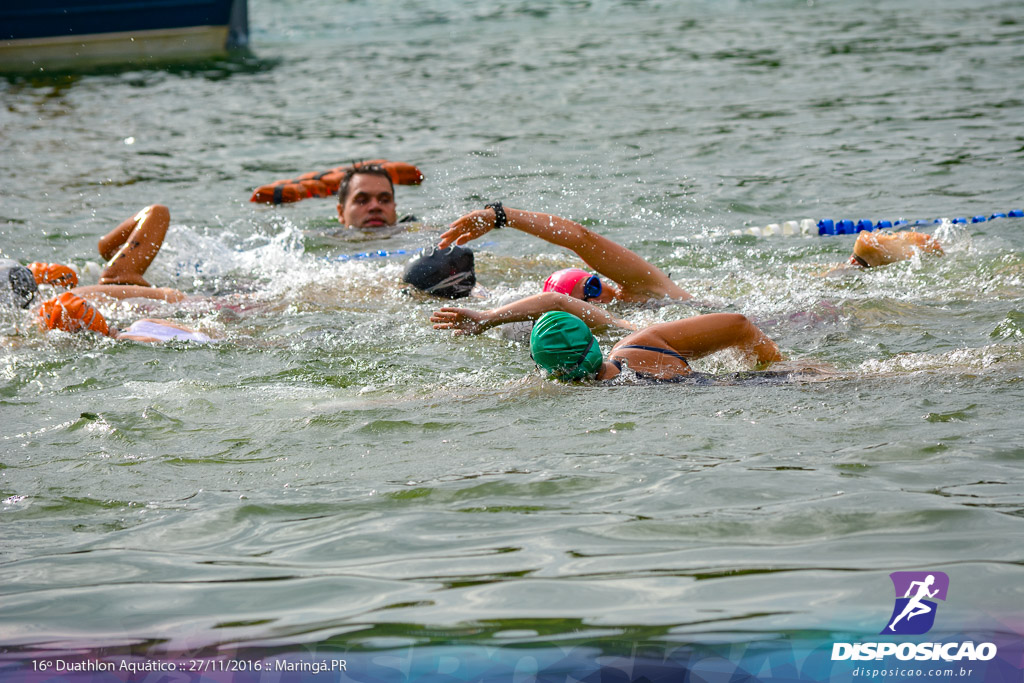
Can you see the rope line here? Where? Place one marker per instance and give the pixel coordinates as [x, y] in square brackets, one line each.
[808, 227]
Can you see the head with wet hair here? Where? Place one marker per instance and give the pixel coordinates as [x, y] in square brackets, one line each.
[366, 198]
[362, 169]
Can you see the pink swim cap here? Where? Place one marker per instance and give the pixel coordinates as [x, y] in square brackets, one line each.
[564, 280]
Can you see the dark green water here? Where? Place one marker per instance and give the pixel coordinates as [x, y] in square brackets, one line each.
[336, 471]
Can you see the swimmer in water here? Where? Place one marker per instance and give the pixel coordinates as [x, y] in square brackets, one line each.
[562, 343]
[881, 248]
[129, 249]
[634, 279]
[71, 313]
[18, 285]
[446, 273]
[630, 277]
[366, 199]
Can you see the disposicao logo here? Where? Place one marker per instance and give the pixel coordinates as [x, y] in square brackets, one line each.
[914, 612]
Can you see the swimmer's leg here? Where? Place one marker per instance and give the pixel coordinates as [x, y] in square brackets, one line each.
[132, 246]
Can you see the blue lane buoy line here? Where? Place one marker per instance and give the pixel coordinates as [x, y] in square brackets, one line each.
[386, 253]
[828, 226]
[380, 253]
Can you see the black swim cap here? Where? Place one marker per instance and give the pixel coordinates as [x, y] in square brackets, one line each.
[442, 272]
[17, 284]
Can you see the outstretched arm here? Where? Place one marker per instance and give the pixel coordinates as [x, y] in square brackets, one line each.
[469, 321]
[638, 278]
[703, 335]
[130, 292]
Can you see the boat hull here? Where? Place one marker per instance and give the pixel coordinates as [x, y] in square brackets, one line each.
[80, 33]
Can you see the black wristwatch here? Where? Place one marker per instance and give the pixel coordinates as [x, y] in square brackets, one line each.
[500, 219]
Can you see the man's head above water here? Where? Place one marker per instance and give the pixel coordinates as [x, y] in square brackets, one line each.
[366, 198]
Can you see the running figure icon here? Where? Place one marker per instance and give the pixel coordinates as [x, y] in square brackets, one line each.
[915, 607]
[916, 593]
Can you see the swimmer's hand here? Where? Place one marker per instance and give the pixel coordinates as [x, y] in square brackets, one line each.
[469, 227]
[460, 320]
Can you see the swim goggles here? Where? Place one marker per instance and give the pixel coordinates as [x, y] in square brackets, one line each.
[459, 283]
[592, 288]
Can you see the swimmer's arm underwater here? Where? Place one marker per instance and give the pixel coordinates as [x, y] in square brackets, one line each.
[469, 321]
[638, 278]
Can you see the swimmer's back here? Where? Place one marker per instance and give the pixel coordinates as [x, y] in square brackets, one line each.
[153, 330]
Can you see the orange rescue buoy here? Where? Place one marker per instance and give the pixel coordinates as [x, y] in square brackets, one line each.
[53, 274]
[70, 312]
[326, 183]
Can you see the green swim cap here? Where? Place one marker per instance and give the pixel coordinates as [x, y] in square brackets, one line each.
[562, 344]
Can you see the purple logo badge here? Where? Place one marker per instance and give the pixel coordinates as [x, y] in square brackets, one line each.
[914, 612]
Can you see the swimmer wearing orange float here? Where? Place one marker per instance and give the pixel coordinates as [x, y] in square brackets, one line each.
[129, 248]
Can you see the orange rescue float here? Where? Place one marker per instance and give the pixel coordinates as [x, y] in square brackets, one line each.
[53, 274]
[70, 312]
[326, 183]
